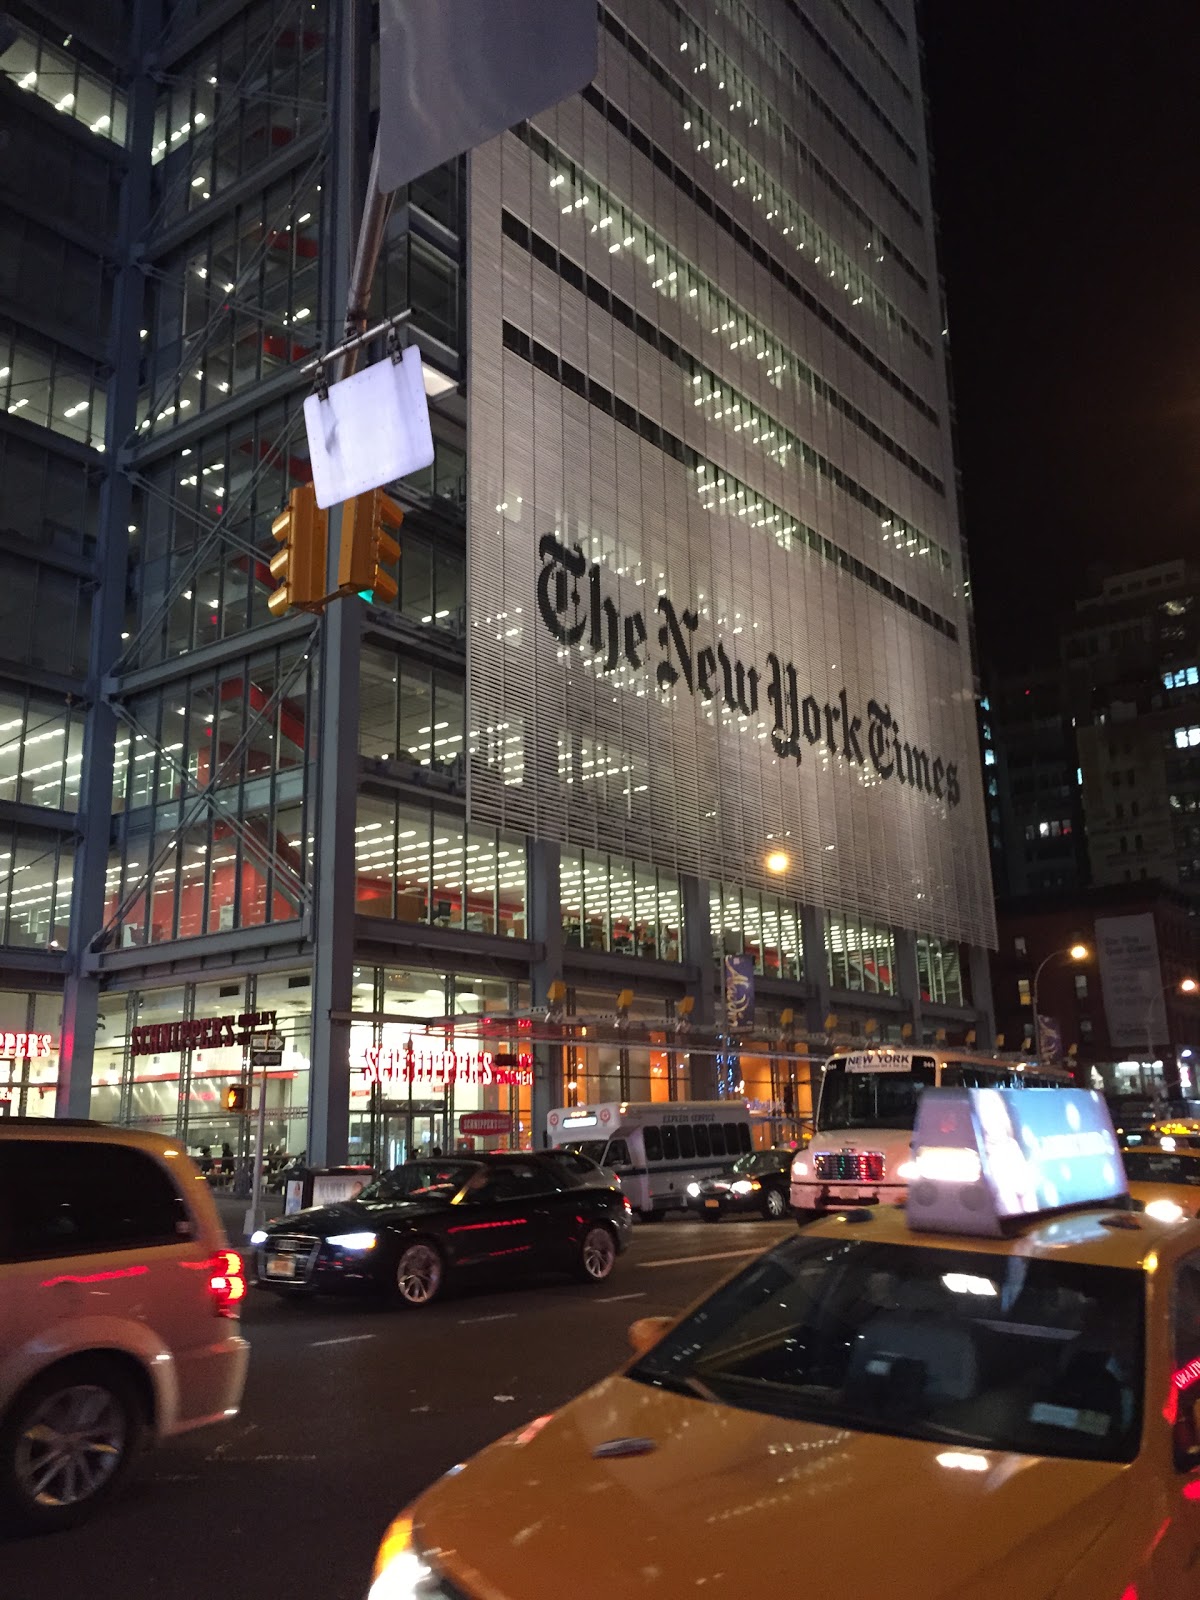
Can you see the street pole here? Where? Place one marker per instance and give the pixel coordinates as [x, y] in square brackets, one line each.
[254, 1215]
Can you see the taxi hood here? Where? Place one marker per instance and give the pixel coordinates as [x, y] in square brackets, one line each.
[728, 1501]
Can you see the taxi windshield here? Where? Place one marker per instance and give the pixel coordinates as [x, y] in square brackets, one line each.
[871, 1099]
[996, 1352]
[1160, 1166]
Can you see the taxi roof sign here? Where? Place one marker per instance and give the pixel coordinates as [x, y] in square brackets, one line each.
[988, 1158]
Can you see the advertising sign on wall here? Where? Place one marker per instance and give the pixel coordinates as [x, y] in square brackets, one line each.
[1130, 976]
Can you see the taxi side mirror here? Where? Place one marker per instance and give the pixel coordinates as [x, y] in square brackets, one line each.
[1186, 1432]
[647, 1331]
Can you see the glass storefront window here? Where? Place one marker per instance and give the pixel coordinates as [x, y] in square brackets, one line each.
[765, 927]
[417, 864]
[608, 903]
[861, 955]
[940, 972]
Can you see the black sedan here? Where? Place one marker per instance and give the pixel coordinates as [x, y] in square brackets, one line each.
[757, 1182]
[430, 1223]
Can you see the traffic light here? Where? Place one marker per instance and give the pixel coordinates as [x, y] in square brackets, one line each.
[299, 566]
[367, 549]
[235, 1097]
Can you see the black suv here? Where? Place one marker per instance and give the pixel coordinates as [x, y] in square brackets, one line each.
[756, 1182]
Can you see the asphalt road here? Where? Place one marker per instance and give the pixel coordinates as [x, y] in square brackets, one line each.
[350, 1411]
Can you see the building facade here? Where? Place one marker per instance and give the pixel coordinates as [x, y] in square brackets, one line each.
[1127, 1014]
[679, 668]
[1097, 752]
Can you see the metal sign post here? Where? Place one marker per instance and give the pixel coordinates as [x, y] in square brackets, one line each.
[266, 1051]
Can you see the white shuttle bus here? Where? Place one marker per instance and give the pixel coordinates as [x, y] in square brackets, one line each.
[656, 1147]
[861, 1148]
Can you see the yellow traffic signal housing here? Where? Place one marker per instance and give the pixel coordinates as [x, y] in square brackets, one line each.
[298, 567]
[235, 1097]
[367, 549]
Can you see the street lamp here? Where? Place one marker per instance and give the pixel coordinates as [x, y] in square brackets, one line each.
[1074, 952]
[778, 861]
[1187, 986]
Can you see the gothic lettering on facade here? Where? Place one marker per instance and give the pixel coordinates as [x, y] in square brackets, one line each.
[575, 608]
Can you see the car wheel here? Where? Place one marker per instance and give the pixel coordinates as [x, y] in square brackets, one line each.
[66, 1444]
[774, 1205]
[419, 1274]
[597, 1254]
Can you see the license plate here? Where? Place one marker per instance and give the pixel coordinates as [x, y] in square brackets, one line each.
[281, 1267]
[712, 1205]
[851, 1194]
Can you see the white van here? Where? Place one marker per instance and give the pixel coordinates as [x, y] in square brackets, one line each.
[656, 1147]
[861, 1147]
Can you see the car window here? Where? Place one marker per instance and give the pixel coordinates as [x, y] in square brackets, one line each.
[716, 1138]
[511, 1180]
[63, 1197]
[670, 1144]
[1186, 1317]
[700, 1133]
[1160, 1166]
[419, 1180]
[618, 1154]
[687, 1145]
[653, 1143]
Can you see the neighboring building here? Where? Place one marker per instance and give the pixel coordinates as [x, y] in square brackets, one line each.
[1033, 784]
[684, 344]
[1121, 1011]
[1097, 754]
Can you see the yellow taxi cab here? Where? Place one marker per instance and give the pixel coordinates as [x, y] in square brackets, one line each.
[1163, 1177]
[1176, 1133]
[996, 1395]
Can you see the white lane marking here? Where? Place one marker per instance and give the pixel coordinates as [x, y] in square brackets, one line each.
[608, 1299]
[683, 1261]
[499, 1316]
[351, 1338]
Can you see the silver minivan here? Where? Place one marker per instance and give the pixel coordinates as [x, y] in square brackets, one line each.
[119, 1307]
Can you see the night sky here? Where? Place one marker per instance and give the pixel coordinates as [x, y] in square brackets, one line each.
[1067, 180]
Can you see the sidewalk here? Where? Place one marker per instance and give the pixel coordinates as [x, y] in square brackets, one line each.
[232, 1212]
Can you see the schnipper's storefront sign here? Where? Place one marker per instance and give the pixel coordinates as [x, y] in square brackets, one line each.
[575, 610]
[411, 1063]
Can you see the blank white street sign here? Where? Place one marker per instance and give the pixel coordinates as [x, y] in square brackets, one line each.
[372, 428]
[454, 73]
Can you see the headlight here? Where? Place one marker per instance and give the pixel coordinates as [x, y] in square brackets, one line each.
[742, 1186]
[907, 1170]
[1164, 1211]
[259, 1236]
[400, 1574]
[352, 1241]
[799, 1169]
[694, 1190]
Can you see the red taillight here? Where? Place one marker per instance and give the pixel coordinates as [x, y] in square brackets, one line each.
[227, 1283]
[628, 1205]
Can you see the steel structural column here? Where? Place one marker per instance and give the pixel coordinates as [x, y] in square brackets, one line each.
[980, 966]
[341, 649]
[545, 928]
[698, 953]
[908, 979]
[816, 968]
[81, 994]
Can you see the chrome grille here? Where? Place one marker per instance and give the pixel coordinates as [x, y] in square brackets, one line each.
[849, 1166]
[301, 1247]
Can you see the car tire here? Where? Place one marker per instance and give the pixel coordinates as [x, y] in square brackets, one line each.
[775, 1206]
[801, 1216]
[96, 1403]
[597, 1254]
[420, 1274]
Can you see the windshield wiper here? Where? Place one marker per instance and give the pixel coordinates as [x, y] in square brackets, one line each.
[678, 1383]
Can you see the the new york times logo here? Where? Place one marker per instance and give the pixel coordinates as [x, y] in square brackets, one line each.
[575, 609]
